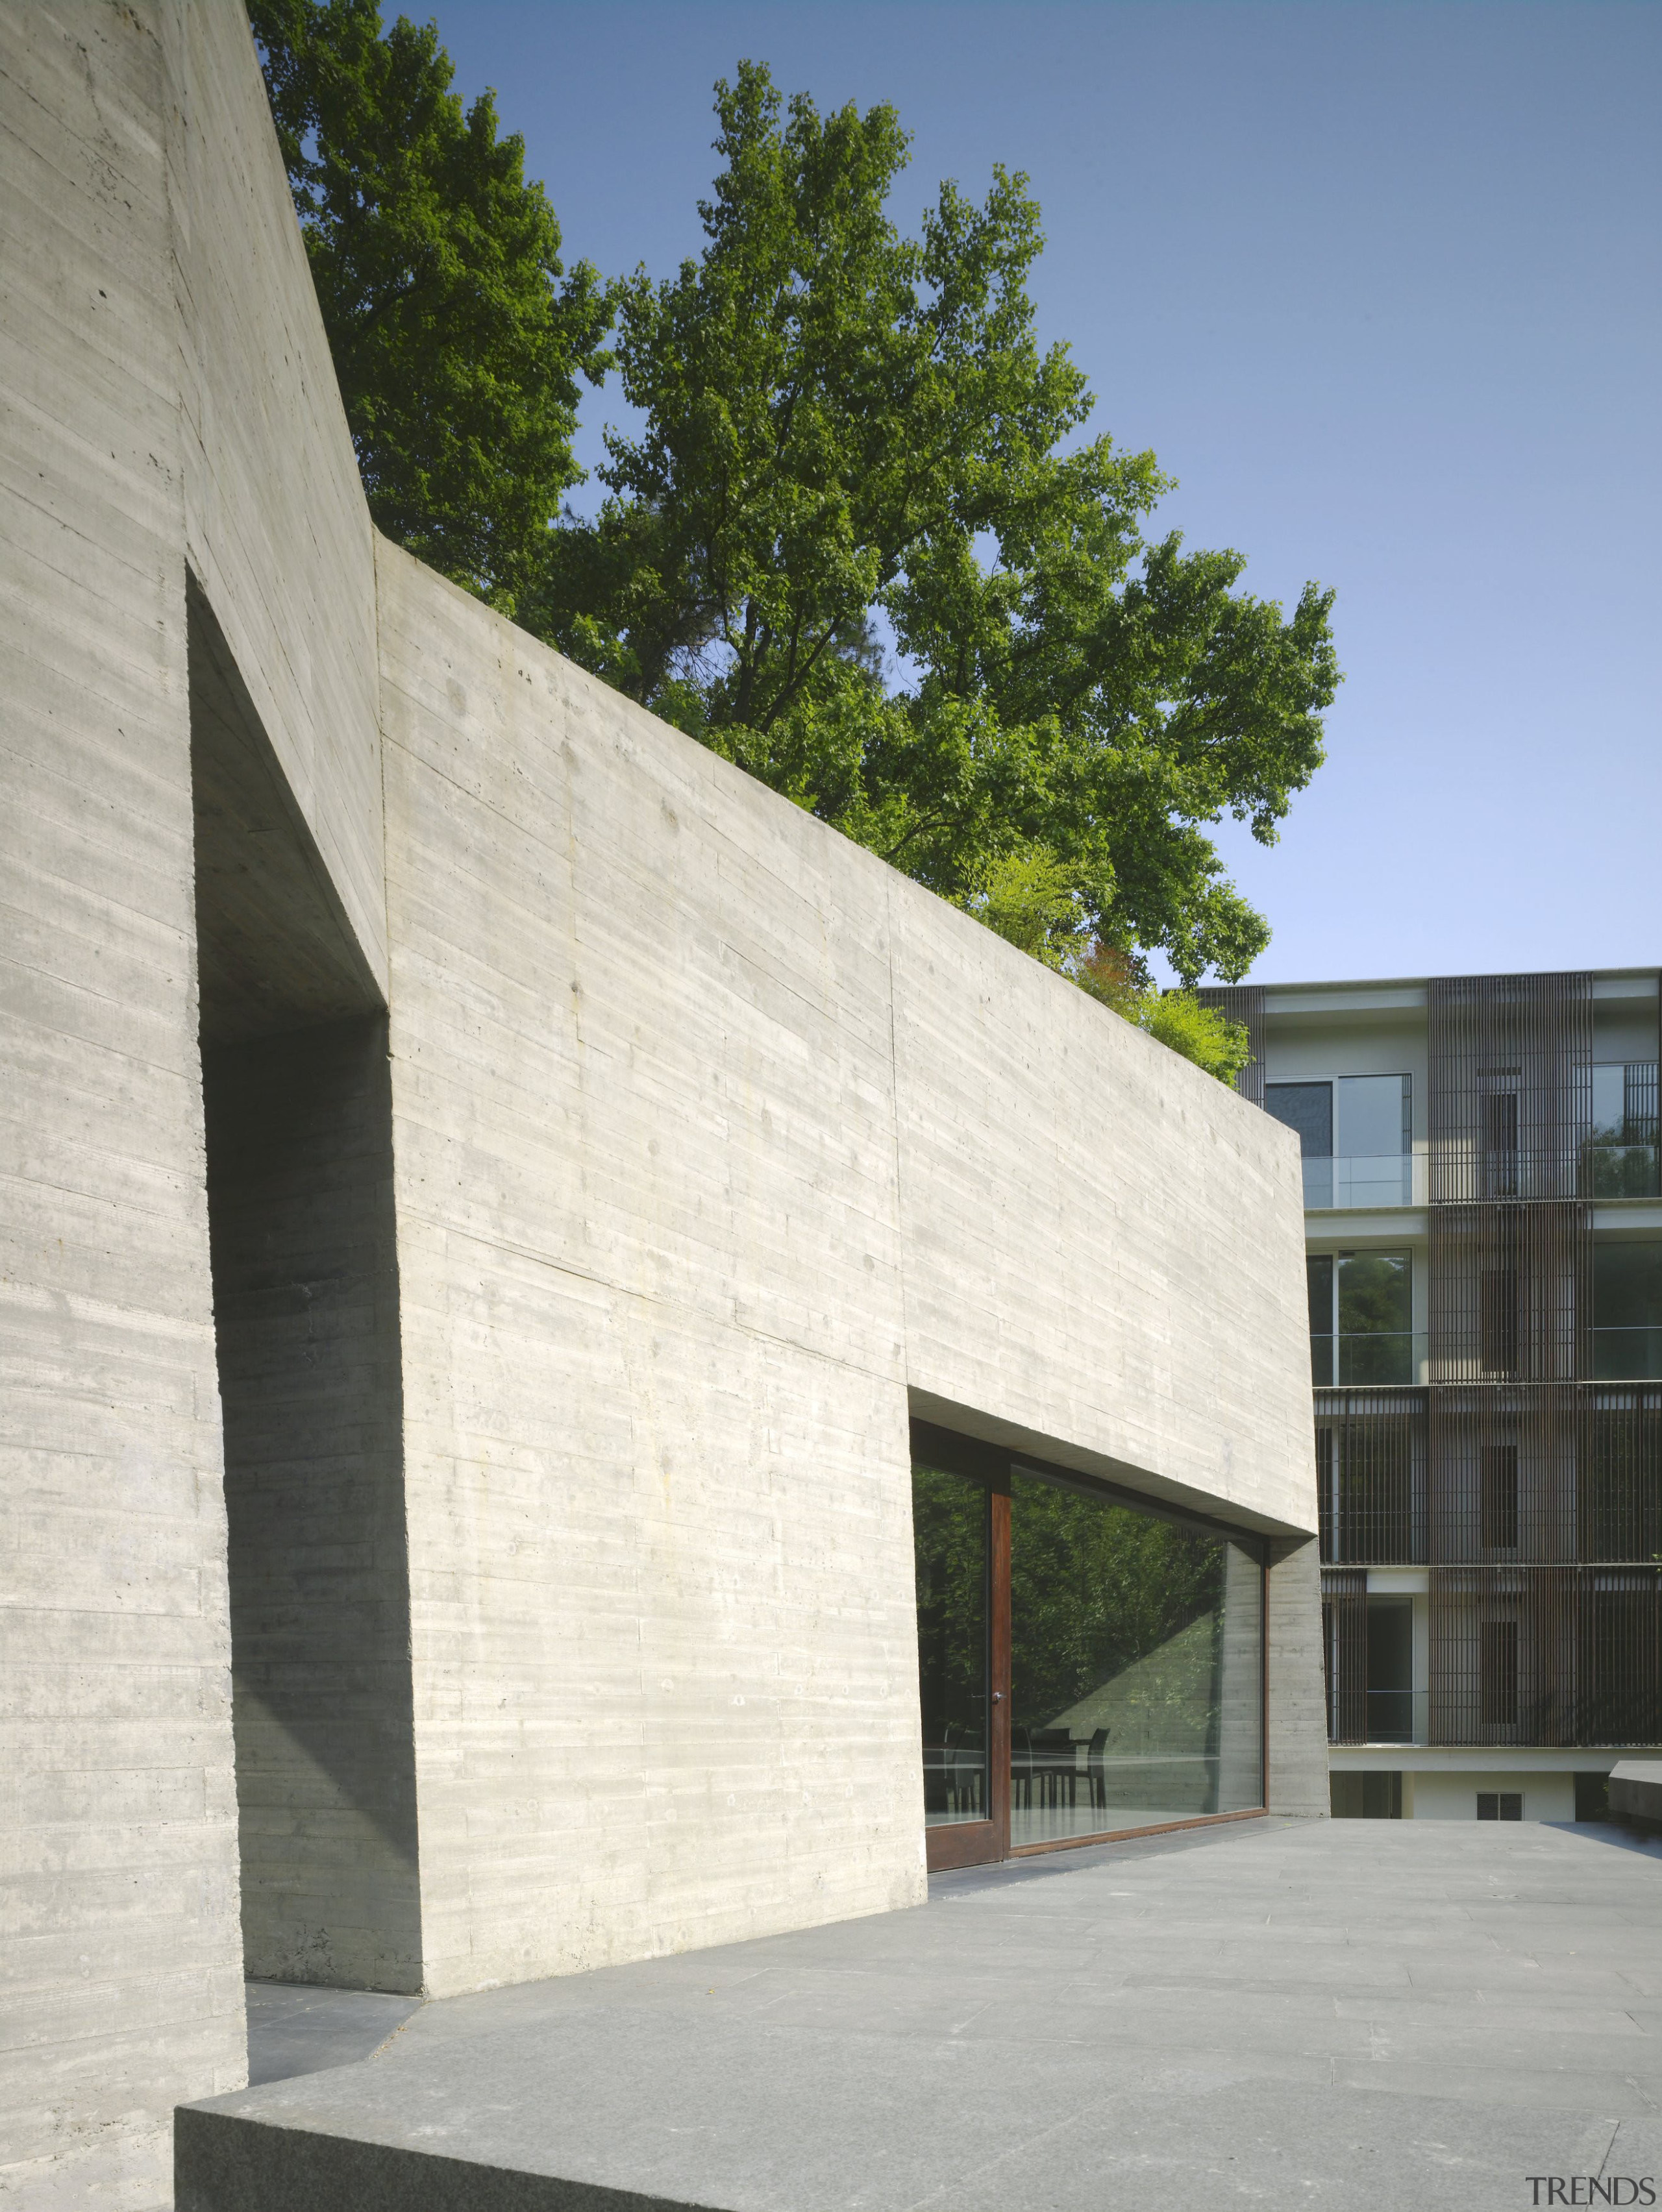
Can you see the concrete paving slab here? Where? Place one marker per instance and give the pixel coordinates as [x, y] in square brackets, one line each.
[958, 2057]
[295, 2028]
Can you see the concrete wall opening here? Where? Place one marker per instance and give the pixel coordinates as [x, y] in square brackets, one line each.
[297, 1106]
[1091, 1663]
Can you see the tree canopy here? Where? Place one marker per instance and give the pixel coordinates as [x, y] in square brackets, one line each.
[861, 542]
[458, 337]
[862, 546]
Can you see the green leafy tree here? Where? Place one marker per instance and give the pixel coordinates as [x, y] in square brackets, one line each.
[851, 435]
[1029, 899]
[1176, 1020]
[457, 338]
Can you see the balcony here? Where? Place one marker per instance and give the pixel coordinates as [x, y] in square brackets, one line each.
[1611, 1170]
[1380, 1356]
[1395, 1717]
[1626, 1355]
[1378, 1717]
[1365, 1181]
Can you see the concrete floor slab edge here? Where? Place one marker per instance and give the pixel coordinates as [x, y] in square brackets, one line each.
[225, 2163]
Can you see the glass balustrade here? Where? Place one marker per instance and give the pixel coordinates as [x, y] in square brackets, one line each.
[1615, 1171]
[1367, 1180]
[1627, 1355]
[1381, 1356]
[1395, 1717]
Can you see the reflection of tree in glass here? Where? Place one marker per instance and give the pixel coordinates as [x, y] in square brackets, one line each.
[949, 1530]
[1094, 1587]
[1618, 1158]
[1616, 1166]
[1373, 1293]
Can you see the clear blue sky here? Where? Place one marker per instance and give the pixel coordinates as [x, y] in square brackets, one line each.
[1379, 284]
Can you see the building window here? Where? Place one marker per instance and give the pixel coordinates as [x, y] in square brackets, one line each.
[1499, 1498]
[1308, 1107]
[1356, 1136]
[1361, 1317]
[1500, 1804]
[952, 1535]
[1497, 1321]
[1621, 1154]
[1498, 1675]
[1366, 1796]
[1085, 1666]
[1500, 1142]
[1391, 1699]
[1626, 1310]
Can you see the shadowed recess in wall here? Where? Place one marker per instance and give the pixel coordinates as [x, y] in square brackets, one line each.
[275, 949]
[298, 1111]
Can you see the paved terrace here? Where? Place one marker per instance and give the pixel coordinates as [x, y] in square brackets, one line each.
[1359, 2014]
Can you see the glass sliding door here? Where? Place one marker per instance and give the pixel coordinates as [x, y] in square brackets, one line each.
[953, 1540]
[1136, 1655]
[1084, 1666]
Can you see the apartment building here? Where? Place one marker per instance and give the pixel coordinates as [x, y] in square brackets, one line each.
[1484, 1236]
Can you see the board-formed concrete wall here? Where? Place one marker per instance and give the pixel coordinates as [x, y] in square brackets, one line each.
[718, 1151]
[123, 1964]
[277, 529]
[165, 394]
[720, 1148]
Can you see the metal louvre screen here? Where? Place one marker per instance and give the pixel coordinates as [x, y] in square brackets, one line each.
[1509, 1104]
[1548, 1656]
[1505, 1462]
[1344, 1649]
[1371, 1467]
[1620, 1461]
[1508, 1292]
[1244, 1003]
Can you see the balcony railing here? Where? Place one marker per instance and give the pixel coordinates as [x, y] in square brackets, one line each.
[1381, 1356]
[1368, 1181]
[1626, 1355]
[1615, 1171]
[1396, 1716]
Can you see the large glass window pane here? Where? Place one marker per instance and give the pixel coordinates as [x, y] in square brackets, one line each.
[1626, 1310]
[1136, 1653]
[1319, 1276]
[1390, 1670]
[950, 1535]
[1609, 1104]
[1308, 1107]
[1622, 1151]
[1373, 1117]
[1376, 1317]
[1375, 1293]
[1374, 1139]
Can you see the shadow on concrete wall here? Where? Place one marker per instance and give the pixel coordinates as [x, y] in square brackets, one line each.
[298, 1110]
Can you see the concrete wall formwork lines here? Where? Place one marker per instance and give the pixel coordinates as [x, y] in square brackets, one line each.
[276, 526]
[124, 1966]
[660, 1561]
[717, 1152]
[1094, 1232]
[756, 1134]
[1297, 1781]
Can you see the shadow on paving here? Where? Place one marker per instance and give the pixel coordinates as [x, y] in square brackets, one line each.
[1354, 2015]
[294, 2029]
